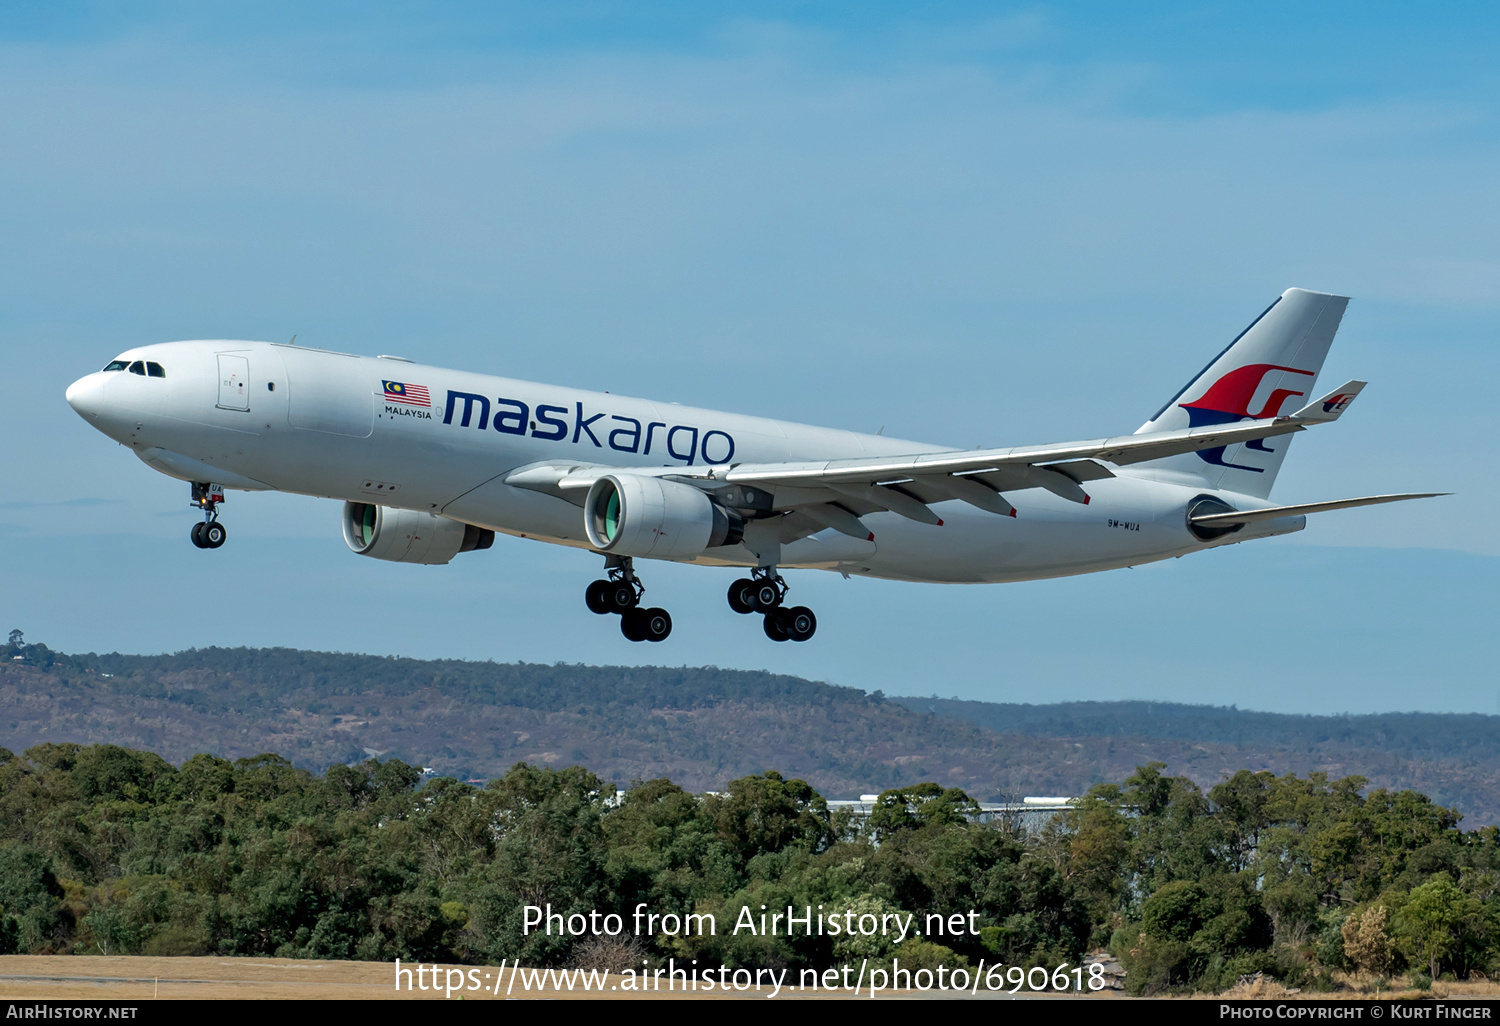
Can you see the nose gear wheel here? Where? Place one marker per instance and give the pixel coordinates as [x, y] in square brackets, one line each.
[209, 534]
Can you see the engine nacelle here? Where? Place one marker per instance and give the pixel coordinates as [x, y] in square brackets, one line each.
[1228, 534]
[408, 536]
[636, 515]
[1207, 505]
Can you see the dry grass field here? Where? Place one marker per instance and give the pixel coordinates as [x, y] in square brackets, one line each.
[133, 978]
[1352, 988]
[142, 978]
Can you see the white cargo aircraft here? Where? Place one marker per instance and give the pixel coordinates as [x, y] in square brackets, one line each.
[432, 462]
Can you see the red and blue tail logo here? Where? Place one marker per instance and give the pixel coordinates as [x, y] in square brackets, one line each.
[1228, 400]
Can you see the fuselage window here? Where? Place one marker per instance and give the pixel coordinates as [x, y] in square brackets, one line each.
[116, 365]
[137, 368]
[156, 370]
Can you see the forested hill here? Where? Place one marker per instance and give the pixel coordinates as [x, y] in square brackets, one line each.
[698, 726]
[1409, 735]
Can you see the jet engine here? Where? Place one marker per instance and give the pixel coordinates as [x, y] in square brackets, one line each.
[1207, 505]
[409, 536]
[636, 515]
[1228, 534]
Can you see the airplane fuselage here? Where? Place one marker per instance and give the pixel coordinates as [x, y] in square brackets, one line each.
[384, 430]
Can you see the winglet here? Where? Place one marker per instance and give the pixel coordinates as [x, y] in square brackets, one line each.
[1329, 407]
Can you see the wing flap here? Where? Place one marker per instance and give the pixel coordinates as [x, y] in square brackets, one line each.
[840, 519]
[890, 497]
[970, 491]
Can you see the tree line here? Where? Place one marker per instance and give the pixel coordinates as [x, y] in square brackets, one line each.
[699, 726]
[109, 850]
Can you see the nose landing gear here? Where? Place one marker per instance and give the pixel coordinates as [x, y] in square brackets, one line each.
[209, 534]
[764, 592]
[621, 593]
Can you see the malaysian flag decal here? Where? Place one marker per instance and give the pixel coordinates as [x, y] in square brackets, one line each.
[411, 395]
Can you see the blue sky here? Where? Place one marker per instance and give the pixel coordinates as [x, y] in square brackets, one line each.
[973, 224]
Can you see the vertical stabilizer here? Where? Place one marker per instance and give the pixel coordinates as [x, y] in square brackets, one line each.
[1270, 369]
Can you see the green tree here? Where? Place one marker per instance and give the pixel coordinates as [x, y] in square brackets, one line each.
[1437, 921]
[767, 813]
[1177, 836]
[1091, 847]
[927, 804]
[30, 898]
[1241, 805]
[549, 850]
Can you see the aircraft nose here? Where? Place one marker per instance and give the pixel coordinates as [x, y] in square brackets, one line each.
[86, 395]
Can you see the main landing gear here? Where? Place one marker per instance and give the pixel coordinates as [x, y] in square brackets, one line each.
[764, 591]
[621, 593]
[209, 534]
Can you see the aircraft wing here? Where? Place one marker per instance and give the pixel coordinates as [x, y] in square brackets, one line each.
[909, 484]
[1124, 449]
[1064, 458]
[835, 493]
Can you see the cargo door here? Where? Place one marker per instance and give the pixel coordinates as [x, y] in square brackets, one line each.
[328, 392]
[234, 382]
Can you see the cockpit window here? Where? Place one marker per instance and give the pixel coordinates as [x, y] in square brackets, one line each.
[137, 368]
[156, 370]
[116, 365]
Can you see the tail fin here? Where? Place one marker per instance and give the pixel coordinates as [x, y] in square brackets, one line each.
[1273, 362]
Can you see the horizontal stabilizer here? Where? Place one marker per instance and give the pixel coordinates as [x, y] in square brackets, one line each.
[1330, 406]
[1251, 515]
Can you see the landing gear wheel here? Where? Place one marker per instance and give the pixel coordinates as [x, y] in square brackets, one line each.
[656, 624]
[799, 623]
[206, 496]
[739, 596]
[621, 596]
[763, 595]
[633, 624]
[775, 627]
[596, 597]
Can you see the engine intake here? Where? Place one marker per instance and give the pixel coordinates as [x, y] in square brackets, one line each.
[636, 515]
[408, 536]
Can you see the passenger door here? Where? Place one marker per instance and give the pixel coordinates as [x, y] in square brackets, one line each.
[234, 382]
